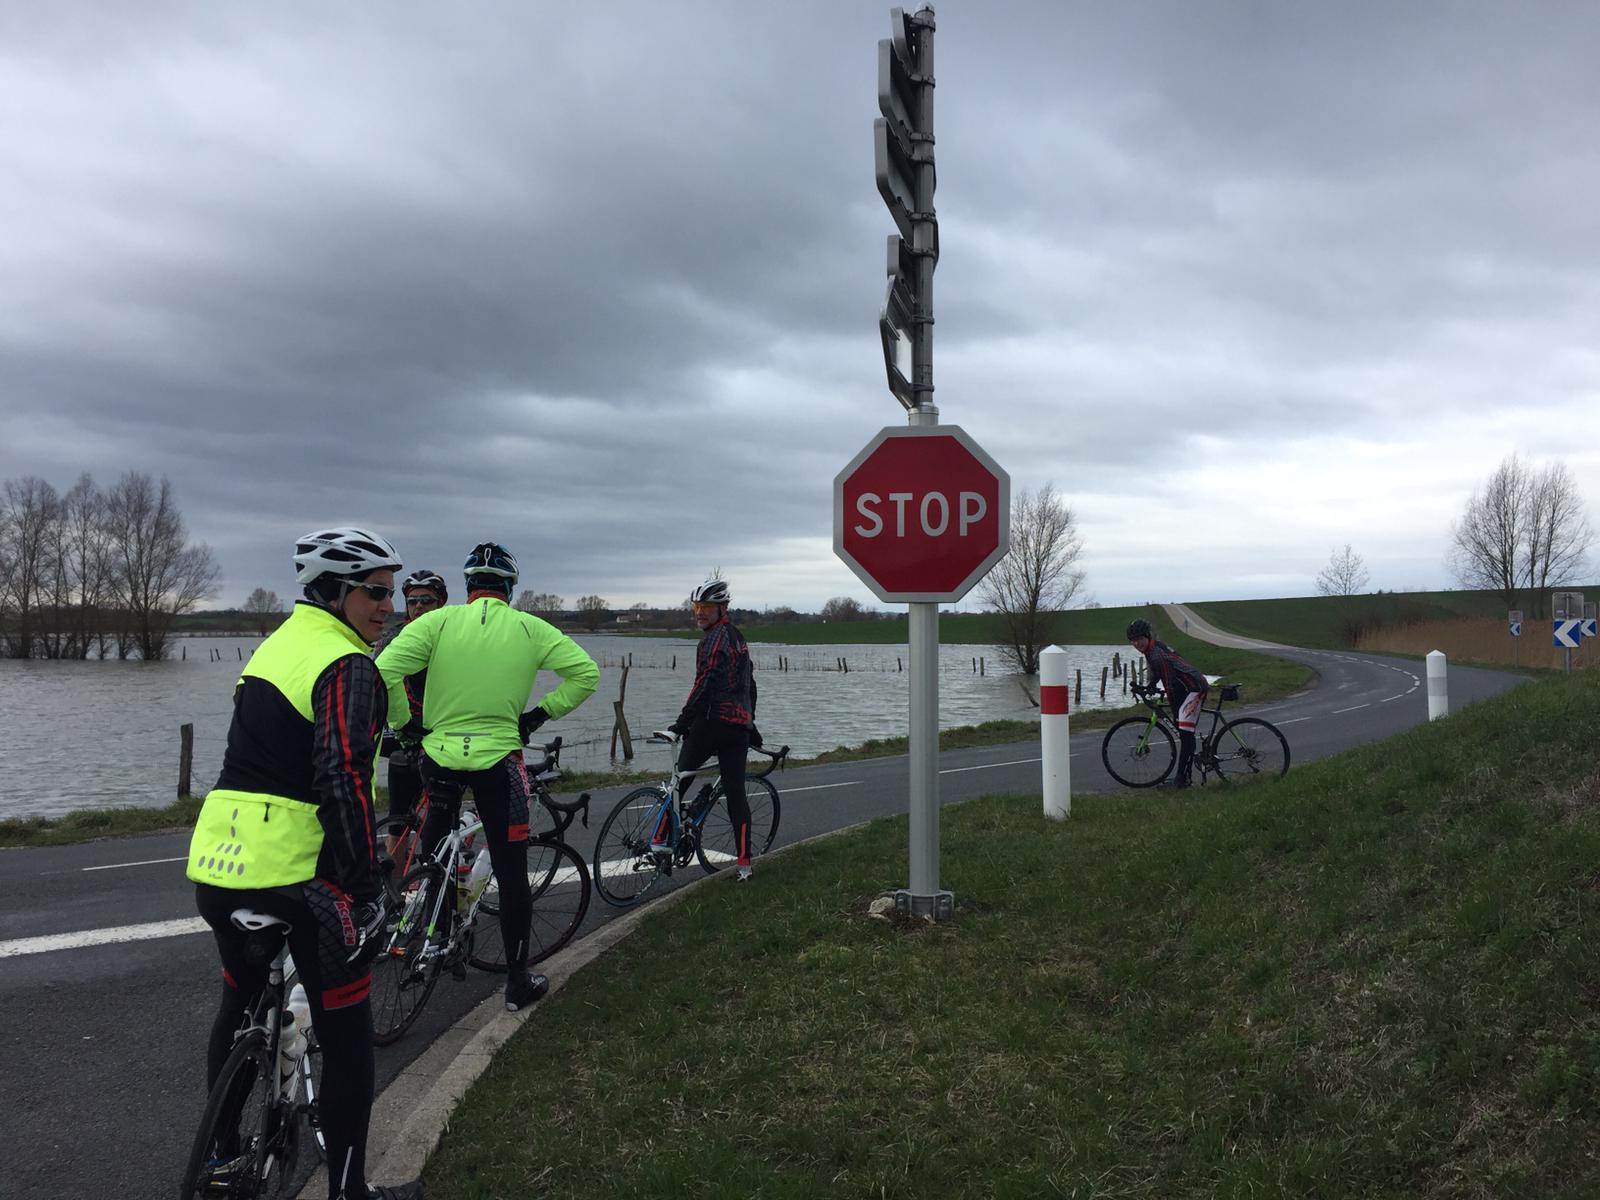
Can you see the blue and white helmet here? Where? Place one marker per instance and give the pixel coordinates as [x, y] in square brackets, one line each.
[343, 552]
[491, 558]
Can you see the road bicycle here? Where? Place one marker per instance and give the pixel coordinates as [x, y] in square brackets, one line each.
[249, 1135]
[1141, 751]
[625, 865]
[447, 904]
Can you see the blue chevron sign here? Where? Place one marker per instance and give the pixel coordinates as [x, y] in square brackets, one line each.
[1567, 633]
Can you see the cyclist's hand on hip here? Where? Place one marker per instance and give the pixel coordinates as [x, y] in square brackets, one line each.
[530, 721]
[756, 739]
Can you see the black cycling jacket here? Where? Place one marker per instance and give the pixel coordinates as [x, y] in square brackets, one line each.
[724, 682]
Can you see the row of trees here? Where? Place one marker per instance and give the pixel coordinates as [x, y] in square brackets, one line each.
[89, 570]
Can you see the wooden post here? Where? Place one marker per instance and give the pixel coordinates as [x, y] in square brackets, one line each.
[897, 665]
[620, 726]
[845, 663]
[1077, 696]
[185, 759]
[981, 665]
[1102, 683]
[240, 649]
[184, 656]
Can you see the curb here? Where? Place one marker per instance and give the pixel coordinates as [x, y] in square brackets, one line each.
[413, 1112]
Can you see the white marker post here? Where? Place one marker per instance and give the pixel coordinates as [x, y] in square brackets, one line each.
[1438, 692]
[1054, 735]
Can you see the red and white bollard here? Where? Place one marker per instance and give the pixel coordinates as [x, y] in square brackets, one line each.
[1054, 738]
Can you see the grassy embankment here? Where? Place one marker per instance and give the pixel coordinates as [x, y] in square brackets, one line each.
[1373, 977]
[1262, 678]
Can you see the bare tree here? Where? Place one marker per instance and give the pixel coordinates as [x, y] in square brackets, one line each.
[1037, 579]
[262, 605]
[158, 574]
[1345, 574]
[1485, 545]
[591, 611]
[1525, 528]
[543, 604]
[1559, 532]
[29, 511]
[843, 608]
[87, 560]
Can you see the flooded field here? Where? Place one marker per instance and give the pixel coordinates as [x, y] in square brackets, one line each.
[97, 734]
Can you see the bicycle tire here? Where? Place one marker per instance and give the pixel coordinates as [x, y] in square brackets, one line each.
[1137, 754]
[403, 975]
[715, 847]
[1250, 747]
[623, 869]
[242, 1146]
[559, 879]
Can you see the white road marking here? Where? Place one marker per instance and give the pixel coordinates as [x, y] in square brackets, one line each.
[102, 937]
[817, 787]
[148, 862]
[1291, 720]
[1016, 762]
[1352, 708]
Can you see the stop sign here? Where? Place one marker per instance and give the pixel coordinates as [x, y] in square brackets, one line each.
[921, 514]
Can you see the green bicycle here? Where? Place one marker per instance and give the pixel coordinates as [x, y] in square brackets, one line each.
[1141, 751]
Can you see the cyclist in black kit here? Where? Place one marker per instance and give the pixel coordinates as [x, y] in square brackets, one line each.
[719, 717]
[424, 591]
[1186, 690]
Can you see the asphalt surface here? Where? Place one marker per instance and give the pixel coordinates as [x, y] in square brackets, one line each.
[102, 1050]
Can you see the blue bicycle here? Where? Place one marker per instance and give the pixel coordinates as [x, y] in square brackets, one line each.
[626, 866]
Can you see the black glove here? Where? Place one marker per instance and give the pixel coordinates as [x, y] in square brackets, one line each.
[371, 919]
[530, 721]
[756, 739]
[388, 743]
[410, 734]
[678, 727]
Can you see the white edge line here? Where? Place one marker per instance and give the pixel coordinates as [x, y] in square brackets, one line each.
[101, 937]
[149, 862]
[1352, 708]
[1016, 762]
[817, 787]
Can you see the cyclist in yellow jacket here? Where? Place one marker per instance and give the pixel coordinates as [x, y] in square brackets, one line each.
[482, 659]
[288, 830]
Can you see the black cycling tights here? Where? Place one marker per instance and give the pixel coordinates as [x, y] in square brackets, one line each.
[1185, 756]
[344, 1033]
[501, 795]
[731, 744]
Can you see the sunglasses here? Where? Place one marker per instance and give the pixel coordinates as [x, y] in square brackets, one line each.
[422, 600]
[376, 591]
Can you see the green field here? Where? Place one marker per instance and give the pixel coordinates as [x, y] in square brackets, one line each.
[1329, 622]
[1375, 977]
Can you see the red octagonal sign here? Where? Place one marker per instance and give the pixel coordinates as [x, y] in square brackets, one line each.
[921, 514]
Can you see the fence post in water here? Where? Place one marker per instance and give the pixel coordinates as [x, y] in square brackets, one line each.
[1438, 693]
[1077, 696]
[1054, 736]
[620, 725]
[185, 758]
[1102, 683]
[897, 666]
[240, 649]
[980, 664]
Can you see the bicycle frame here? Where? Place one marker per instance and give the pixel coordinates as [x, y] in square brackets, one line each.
[700, 807]
[1205, 747]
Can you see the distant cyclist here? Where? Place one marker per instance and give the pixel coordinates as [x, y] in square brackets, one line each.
[288, 830]
[482, 659]
[424, 591]
[1186, 690]
[719, 716]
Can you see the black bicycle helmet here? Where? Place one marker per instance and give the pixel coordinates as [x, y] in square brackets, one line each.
[491, 558]
[712, 591]
[1139, 629]
[425, 579]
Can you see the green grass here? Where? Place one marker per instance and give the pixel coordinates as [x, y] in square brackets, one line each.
[87, 824]
[1375, 977]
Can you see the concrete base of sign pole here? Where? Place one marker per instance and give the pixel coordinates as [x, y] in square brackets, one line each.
[941, 906]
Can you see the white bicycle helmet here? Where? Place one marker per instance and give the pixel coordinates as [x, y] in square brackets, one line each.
[712, 591]
[342, 552]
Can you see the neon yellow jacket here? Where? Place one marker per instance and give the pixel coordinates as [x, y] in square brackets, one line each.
[482, 659]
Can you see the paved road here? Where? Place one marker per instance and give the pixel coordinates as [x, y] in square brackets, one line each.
[107, 986]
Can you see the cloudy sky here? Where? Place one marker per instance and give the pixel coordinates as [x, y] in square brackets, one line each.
[1245, 281]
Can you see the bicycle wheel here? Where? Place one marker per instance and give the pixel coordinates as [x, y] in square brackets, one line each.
[1249, 747]
[716, 846]
[560, 883]
[1138, 754]
[624, 869]
[246, 1143]
[404, 972]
